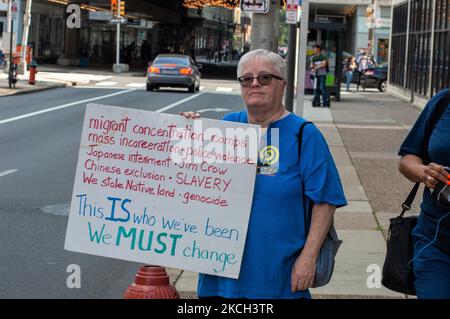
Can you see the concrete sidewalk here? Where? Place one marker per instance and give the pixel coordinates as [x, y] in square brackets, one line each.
[364, 247]
[22, 86]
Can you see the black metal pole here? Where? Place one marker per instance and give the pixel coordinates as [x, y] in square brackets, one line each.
[413, 69]
[10, 75]
[292, 45]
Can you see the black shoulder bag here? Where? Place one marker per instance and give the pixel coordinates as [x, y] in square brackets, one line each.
[330, 246]
[398, 272]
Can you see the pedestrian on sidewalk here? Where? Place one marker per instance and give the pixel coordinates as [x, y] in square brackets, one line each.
[350, 67]
[279, 259]
[431, 262]
[319, 68]
[361, 62]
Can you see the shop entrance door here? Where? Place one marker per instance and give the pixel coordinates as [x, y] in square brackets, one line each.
[331, 37]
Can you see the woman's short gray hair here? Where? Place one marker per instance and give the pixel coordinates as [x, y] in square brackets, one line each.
[275, 59]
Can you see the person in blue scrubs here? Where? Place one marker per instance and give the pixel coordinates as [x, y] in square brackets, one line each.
[431, 262]
[279, 258]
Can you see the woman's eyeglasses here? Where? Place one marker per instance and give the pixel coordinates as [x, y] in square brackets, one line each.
[263, 79]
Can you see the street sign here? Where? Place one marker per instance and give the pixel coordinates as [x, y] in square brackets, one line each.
[14, 10]
[291, 11]
[320, 18]
[255, 6]
[100, 15]
[120, 20]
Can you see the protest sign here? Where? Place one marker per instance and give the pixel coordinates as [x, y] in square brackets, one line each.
[163, 190]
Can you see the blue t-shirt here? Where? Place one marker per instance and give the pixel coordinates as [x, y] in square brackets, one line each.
[439, 153]
[276, 230]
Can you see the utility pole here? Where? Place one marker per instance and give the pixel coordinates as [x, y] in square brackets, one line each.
[292, 20]
[292, 41]
[9, 18]
[9, 31]
[26, 27]
[119, 18]
[372, 26]
[265, 31]
[117, 68]
[118, 36]
[8, 27]
[304, 21]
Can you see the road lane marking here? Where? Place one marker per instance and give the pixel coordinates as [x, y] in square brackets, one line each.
[20, 117]
[170, 106]
[105, 83]
[98, 87]
[58, 209]
[136, 85]
[225, 93]
[224, 89]
[7, 172]
[217, 109]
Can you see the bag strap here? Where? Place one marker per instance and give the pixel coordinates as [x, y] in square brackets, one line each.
[409, 200]
[437, 113]
[306, 207]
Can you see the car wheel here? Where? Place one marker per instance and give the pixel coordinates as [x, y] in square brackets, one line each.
[191, 89]
[149, 87]
[382, 86]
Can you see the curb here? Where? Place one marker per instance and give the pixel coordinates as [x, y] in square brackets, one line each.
[193, 295]
[37, 89]
[331, 296]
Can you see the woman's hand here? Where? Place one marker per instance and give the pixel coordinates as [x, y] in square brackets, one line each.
[303, 273]
[190, 115]
[433, 173]
[413, 168]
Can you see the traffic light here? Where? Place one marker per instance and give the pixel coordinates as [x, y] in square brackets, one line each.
[114, 7]
[122, 8]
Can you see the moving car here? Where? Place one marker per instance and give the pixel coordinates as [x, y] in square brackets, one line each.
[173, 70]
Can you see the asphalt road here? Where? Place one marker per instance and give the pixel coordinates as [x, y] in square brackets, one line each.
[39, 139]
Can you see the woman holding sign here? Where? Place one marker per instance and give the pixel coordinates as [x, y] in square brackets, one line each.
[279, 259]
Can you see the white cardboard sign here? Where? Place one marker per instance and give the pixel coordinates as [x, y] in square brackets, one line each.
[148, 188]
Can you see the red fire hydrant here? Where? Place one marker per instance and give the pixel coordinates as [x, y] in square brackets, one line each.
[151, 282]
[33, 70]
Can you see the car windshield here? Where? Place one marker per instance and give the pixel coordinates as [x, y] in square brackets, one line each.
[171, 60]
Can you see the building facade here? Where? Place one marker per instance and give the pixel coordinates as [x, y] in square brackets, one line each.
[367, 24]
[420, 50]
[95, 40]
[151, 27]
[210, 29]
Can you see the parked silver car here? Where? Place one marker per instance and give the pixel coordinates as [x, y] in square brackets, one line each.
[173, 70]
